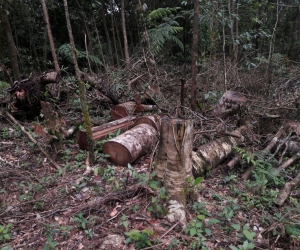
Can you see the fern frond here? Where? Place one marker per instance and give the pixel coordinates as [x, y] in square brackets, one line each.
[162, 12]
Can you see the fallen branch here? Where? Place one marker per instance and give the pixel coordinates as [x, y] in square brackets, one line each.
[31, 138]
[285, 192]
[271, 145]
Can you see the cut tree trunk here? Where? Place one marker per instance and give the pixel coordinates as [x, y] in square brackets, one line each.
[154, 121]
[134, 143]
[211, 154]
[102, 131]
[229, 104]
[174, 164]
[129, 108]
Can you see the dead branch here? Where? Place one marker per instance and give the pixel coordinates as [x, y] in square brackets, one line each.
[285, 192]
[31, 138]
[271, 145]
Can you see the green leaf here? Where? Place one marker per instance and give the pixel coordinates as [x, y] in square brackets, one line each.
[213, 221]
[201, 217]
[233, 248]
[199, 224]
[293, 230]
[249, 235]
[236, 226]
[193, 231]
[198, 181]
[207, 231]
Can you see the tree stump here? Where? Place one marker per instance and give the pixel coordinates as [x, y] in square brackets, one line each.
[229, 104]
[174, 164]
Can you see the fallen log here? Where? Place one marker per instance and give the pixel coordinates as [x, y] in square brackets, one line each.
[154, 121]
[129, 146]
[128, 108]
[102, 131]
[211, 154]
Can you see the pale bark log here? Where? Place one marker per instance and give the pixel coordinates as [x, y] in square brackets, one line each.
[102, 131]
[134, 143]
[211, 154]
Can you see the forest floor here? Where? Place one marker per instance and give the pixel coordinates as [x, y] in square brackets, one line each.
[123, 207]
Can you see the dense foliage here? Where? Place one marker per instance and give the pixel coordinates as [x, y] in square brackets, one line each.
[246, 28]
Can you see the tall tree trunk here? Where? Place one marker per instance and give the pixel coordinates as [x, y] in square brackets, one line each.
[100, 44]
[50, 37]
[102, 15]
[82, 90]
[271, 47]
[13, 54]
[195, 56]
[112, 16]
[126, 51]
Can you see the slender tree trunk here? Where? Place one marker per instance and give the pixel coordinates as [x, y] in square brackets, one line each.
[195, 56]
[235, 45]
[126, 51]
[112, 18]
[100, 44]
[13, 53]
[271, 47]
[82, 90]
[119, 40]
[102, 15]
[50, 37]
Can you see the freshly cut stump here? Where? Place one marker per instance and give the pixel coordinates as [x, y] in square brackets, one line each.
[134, 143]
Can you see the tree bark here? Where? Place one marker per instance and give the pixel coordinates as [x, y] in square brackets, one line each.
[174, 164]
[13, 54]
[50, 37]
[126, 51]
[211, 154]
[195, 56]
[82, 90]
